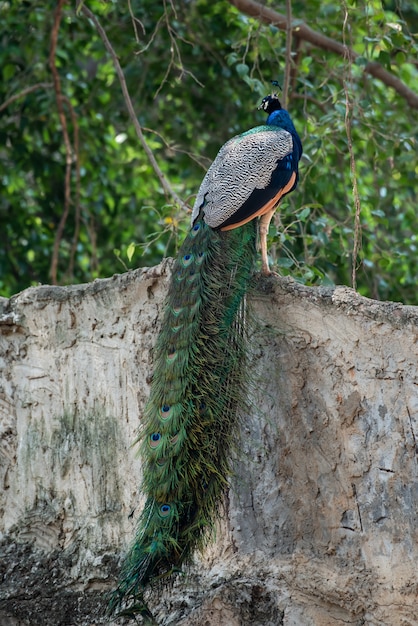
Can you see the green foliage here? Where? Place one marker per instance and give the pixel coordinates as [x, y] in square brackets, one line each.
[195, 72]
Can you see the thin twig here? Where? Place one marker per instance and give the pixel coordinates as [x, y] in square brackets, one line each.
[197, 158]
[269, 16]
[76, 144]
[134, 22]
[175, 60]
[320, 105]
[247, 43]
[288, 66]
[153, 36]
[68, 150]
[24, 93]
[296, 58]
[169, 191]
[356, 196]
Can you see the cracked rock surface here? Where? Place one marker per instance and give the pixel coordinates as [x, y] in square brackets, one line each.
[320, 523]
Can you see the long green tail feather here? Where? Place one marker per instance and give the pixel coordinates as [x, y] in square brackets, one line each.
[189, 425]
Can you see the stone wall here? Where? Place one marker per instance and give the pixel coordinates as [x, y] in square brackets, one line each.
[320, 524]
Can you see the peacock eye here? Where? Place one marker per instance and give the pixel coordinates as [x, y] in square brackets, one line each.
[154, 440]
[187, 259]
[165, 510]
[165, 411]
[172, 354]
[196, 227]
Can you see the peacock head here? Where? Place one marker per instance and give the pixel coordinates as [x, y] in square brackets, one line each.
[270, 103]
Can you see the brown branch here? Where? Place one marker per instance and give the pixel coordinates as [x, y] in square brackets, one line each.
[296, 63]
[24, 93]
[169, 191]
[269, 16]
[285, 91]
[347, 122]
[175, 55]
[202, 161]
[68, 150]
[135, 20]
[76, 146]
[309, 98]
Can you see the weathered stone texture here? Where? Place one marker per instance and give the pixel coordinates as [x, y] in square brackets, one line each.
[320, 526]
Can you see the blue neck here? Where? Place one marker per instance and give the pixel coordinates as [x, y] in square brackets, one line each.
[282, 119]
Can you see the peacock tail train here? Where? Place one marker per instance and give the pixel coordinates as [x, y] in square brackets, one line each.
[200, 376]
[190, 420]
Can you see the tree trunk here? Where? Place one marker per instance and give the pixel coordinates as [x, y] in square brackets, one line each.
[320, 524]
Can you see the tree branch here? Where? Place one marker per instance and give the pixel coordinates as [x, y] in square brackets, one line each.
[347, 122]
[68, 148]
[285, 92]
[269, 16]
[132, 115]
[24, 93]
[76, 150]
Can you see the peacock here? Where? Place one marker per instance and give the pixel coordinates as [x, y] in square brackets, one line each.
[199, 380]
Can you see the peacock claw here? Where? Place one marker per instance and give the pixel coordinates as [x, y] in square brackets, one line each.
[268, 273]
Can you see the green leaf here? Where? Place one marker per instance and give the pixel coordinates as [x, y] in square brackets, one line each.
[130, 251]
[8, 71]
[242, 69]
[384, 59]
[302, 215]
[361, 61]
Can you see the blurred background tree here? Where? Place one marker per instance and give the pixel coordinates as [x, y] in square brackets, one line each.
[80, 197]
